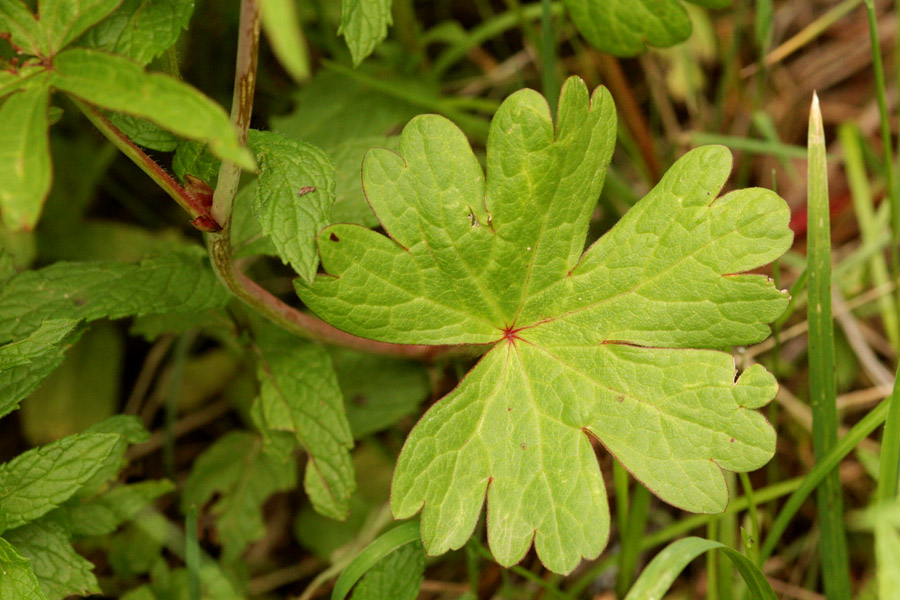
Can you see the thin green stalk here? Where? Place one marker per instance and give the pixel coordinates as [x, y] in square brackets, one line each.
[728, 528]
[713, 582]
[886, 141]
[890, 448]
[173, 396]
[192, 553]
[523, 573]
[823, 468]
[548, 56]
[778, 150]
[620, 485]
[822, 390]
[753, 546]
[863, 205]
[630, 538]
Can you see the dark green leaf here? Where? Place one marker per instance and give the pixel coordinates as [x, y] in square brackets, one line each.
[105, 513]
[62, 21]
[142, 29]
[294, 197]
[144, 133]
[24, 157]
[175, 282]
[397, 576]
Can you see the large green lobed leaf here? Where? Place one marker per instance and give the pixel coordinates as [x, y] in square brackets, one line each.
[599, 343]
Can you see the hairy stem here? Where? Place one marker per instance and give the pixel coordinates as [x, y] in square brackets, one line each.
[219, 244]
[185, 199]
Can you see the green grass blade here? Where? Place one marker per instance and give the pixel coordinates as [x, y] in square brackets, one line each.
[665, 567]
[385, 544]
[822, 390]
[890, 448]
[863, 205]
[823, 467]
[631, 537]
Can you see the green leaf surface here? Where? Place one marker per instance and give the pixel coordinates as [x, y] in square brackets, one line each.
[398, 576]
[24, 364]
[62, 21]
[24, 157]
[173, 282]
[237, 468]
[290, 211]
[282, 27]
[665, 567]
[105, 513]
[299, 393]
[144, 133]
[118, 84]
[364, 25]
[328, 111]
[350, 205]
[626, 27]
[378, 391]
[142, 29]
[582, 343]
[39, 480]
[83, 391]
[18, 581]
[60, 570]
[22, 25]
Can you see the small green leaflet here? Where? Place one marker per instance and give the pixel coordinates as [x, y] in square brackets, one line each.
[597, 342]
[60, 570]
[23, 27]
[24, 364]
[39, 480]
[299, 394]
[625, 27]
[118, 84]
[64, 20]
[282, 27]
[103, 514]
[141, 29]
[397, 576]
[174, 282]
[364, 25]
[18, 580]
[294, 197]
[24, 156]
[244, 475]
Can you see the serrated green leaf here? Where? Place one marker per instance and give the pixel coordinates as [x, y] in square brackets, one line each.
[18, 581]
[174, 282]
[244, 476]
[105, 513]
[83, 391]
[22, 25]
[144, 133]
[62, 21]
[350, 205]
[398, 576]
[194, 158]
[24, 364]
[39, 480]
[130, 430]
[626, 27]
[294, 196]
[299, 393]
[282, 27]
[142, 29]
[582, 343]
[24, 157]
[60, 570]
[364, 25]
[118, 84]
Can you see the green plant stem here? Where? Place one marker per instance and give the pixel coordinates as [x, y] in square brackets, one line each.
[822, 390]
[219, 244]
[823, 467]
[523, 573]
[631, 537]
[149, 166]
[890, 448]
[753, 549]
[548, 56]
[886, 141]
